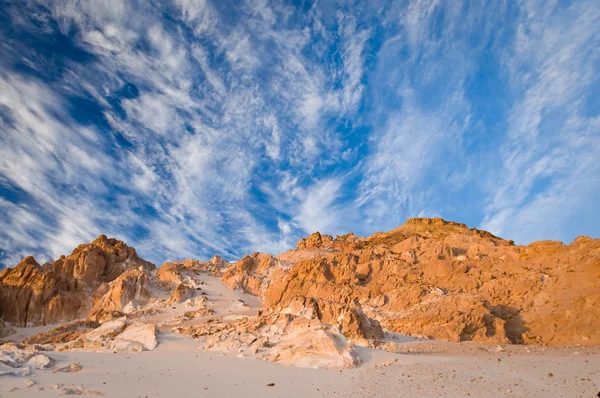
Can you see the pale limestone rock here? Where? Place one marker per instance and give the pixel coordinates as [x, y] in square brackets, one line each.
[18, 355]
[106, 331]
[135, 338]
[40, 361]
[181, 293]
[310, 344]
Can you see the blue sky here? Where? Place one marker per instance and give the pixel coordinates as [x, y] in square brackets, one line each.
[190, 128]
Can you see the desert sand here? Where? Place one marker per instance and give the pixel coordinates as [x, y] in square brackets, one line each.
[176, 369]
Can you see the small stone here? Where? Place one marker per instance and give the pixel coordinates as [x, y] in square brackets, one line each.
[550, 374]
[270, 384]
[29, 382]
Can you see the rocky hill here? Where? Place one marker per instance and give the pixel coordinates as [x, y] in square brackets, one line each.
[65, 289]
[442, 280]
[428, 278]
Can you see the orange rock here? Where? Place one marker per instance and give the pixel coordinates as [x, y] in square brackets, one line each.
[544, 293]
[60, 291]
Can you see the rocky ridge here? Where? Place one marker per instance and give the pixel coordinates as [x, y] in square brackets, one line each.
[427, 278]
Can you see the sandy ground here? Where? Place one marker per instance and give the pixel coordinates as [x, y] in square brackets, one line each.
[418, 369]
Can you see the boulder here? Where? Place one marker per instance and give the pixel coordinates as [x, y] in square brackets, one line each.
[21, 355]
[105, 332]
[135, 338]
[40, 361]
[310, 344]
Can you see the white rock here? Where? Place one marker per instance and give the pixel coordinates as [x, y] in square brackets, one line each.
[40, 361]
[140, 333]
[126, 347]
[106, 330]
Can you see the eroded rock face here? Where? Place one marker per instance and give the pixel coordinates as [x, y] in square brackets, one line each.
[349, 319]
[429, 277]
[254, 273]
[31, 294]
[450, 317]
[127, 293]
[487, 288]
[181, 293]
[178, 272]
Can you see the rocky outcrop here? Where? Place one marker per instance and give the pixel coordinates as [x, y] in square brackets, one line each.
[349, 319]
[137, 337]
[311, 344]
[31, 294]
[112, 336]
[63, 333]
[181, 293]
[254, 273]
[429, 278]
[127, 293]
[277, 337]
[487, 288]
[449, 317]
[178, 272]
[315, 241]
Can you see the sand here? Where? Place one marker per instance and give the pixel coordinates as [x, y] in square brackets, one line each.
[419, 369]
[176, 369]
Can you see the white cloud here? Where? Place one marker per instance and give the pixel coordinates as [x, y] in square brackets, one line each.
[317, 211]
[549, 169]
[253, 125]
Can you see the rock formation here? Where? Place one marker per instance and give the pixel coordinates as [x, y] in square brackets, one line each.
[427, 278]
[31, 294]
[254, 273]
[128, 292]
[24, 357]
[113, 336]
[349, 319]
[178, 272]
[440, 279]
[278, 337]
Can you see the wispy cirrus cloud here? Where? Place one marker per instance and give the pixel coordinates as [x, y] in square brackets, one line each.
[190, 128]
[549, 172]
